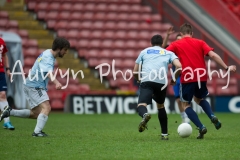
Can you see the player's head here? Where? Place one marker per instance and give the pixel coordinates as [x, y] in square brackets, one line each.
[60, 45]
[186, 29]
[157, 40]
[178, 37]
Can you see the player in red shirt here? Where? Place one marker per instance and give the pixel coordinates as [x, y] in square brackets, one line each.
[3, 84]
[191, 53]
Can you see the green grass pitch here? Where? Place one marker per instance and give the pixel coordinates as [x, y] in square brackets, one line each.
[116, 137]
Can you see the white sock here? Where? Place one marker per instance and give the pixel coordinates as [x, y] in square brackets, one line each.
[41, 121]
[24, 113]
[183, 115]
[2, 105]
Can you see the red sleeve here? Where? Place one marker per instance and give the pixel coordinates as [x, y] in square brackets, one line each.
[3, 47]
[206, 48]
[171, 47]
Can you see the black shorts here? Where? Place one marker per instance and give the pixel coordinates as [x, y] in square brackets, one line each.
[151, 90]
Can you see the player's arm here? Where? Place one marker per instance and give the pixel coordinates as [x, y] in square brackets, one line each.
[214, 56]
[6, 63]
[178, 67]
[165, 40]
[136, 72]
[56, 82]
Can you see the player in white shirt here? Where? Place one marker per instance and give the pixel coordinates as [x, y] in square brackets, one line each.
[154, 81]
[35, 88]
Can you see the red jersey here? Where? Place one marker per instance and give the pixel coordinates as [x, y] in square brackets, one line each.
[191, 52]
[3, 50]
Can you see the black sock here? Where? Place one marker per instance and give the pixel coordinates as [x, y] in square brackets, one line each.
[141, 110]
[163, 120]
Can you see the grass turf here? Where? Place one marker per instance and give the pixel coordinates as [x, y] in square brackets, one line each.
[116, 137]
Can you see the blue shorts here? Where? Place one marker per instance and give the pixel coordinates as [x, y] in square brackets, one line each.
[3, 83]
[176, 88]
[188, 90]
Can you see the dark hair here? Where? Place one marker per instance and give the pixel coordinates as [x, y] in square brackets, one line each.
[186, 28]
[60, 43]
[178, 35]
[157, 40]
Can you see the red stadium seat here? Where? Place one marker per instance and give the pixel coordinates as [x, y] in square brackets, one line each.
[28, 62]
[52, 15]
[72, 34]
[76, 16]
[64, 15]
[101, 7]
[85, 34]
[119, 44]
[85, 25]
[121, 35]
[61, 25]
[57, 104]
[23, 33]
[117, 53]
[31, 5]
[78, 7]
[107, 44]
[95, 34]
[3, 15]
[31, 52]
[12, 24]
[108, 34]
[42, 6]
[30, 43]
[93, 53]
[88, 16]
[54, 6]
[83, 43]
[66, 7]
[105, 54]
[42, 14]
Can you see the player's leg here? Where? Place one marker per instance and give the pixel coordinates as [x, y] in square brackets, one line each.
[159, 97]
[186, 95]
[144, 98]
[3, 102]
[199, 98]
[176, 89]
[42, 111]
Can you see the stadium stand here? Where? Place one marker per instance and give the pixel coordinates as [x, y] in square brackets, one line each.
[99, 31]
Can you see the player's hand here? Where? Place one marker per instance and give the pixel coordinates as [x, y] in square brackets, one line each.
[58, 86]
[172, 82]
[170, 30]
[8, 74]
[232, 68]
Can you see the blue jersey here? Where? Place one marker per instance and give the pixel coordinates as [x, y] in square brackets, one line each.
[155, 62]
[37, 78]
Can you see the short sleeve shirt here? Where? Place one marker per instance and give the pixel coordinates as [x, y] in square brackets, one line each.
[3, 50]
[37, 78]
[154, 61]
[191, 52]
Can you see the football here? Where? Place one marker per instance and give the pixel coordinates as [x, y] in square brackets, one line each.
[184, 130]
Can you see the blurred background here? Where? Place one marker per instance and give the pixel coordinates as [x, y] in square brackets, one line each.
[102, 30]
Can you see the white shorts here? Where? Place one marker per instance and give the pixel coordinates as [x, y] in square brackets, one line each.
[35, 96]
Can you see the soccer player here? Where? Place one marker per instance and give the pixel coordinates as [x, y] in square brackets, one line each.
[35, 88]
[154, 59]
[176, 88]
[191, 53]
[3, 84]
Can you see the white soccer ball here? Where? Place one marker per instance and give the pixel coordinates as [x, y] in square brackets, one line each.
[184, 130]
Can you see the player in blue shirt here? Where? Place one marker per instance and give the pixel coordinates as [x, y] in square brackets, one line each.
[35, 88]
[154, 81]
